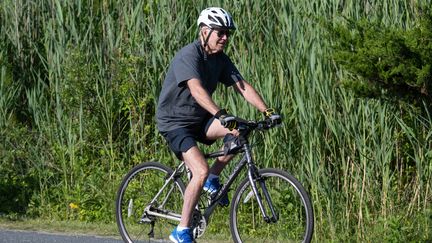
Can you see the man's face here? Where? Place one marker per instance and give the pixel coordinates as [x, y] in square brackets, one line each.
[218, 39]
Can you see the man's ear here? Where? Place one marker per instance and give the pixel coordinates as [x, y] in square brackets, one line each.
[205, 30]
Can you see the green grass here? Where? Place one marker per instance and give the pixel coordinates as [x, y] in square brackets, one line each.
[80, 80]
[54, 226]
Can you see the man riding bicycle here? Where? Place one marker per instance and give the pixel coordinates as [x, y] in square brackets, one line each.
[186, 112]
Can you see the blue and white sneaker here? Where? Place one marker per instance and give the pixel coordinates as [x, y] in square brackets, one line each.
[212, 187]
[181, 236]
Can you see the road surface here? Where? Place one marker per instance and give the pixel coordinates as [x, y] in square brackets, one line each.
[20, 236]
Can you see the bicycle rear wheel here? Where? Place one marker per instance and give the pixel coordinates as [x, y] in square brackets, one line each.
[137, 190]
[291, 204]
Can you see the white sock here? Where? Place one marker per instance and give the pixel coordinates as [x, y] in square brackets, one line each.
[211, 176]
[179, 228]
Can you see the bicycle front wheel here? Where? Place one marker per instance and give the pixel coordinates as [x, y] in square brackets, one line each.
[142, 191]
[292, 220]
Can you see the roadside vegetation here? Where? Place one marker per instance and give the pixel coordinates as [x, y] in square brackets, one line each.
[79, 82]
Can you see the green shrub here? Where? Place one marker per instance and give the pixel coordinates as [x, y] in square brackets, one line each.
[386, 61]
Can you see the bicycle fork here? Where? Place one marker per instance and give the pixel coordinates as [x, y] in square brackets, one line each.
[254, 176]
[253, 179]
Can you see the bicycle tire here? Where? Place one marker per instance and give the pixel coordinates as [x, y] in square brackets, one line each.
[137, 189]
[291, 203]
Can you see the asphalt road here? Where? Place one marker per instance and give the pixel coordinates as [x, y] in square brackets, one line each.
[19, 236]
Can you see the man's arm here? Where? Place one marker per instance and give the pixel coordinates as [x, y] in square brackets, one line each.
[250, 95]
[202, 96]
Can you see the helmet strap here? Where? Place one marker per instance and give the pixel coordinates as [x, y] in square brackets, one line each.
[206, 43]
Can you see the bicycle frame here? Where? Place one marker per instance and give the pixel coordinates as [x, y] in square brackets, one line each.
[253, 176]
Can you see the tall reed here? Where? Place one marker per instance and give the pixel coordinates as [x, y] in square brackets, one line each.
[89, 74]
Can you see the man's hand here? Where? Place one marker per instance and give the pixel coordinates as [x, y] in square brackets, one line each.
[227, 120]
[271, 115]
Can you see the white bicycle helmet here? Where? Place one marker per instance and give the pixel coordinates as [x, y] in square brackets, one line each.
[216, 18]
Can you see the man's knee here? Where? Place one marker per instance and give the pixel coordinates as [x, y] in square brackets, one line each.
[201, 170]
[196, 163]
[203, 173]
[225, 159]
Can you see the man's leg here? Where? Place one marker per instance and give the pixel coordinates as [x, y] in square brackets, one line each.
[217, 131]
[196, 162]
[220, 164]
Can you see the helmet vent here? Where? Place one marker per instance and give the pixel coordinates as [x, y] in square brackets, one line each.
[216, 17]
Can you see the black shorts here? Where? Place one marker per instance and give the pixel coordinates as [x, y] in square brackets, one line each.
[182, 139]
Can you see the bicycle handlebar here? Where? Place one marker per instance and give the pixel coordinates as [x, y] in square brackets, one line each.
[245, 127]
[252, 125]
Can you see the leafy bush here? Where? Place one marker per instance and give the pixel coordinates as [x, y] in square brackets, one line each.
[385, 61]
[17, 180]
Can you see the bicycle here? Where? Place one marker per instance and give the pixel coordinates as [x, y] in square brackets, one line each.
[269, 205]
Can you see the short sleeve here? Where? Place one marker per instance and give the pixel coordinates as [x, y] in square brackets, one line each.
[230, 74]
[185, 68]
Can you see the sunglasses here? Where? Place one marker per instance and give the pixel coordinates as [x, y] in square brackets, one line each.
[222, 32]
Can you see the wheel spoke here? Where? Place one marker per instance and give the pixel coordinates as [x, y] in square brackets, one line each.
[138, 189]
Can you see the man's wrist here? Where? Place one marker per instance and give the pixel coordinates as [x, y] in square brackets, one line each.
[268, 112]
[220, 113]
